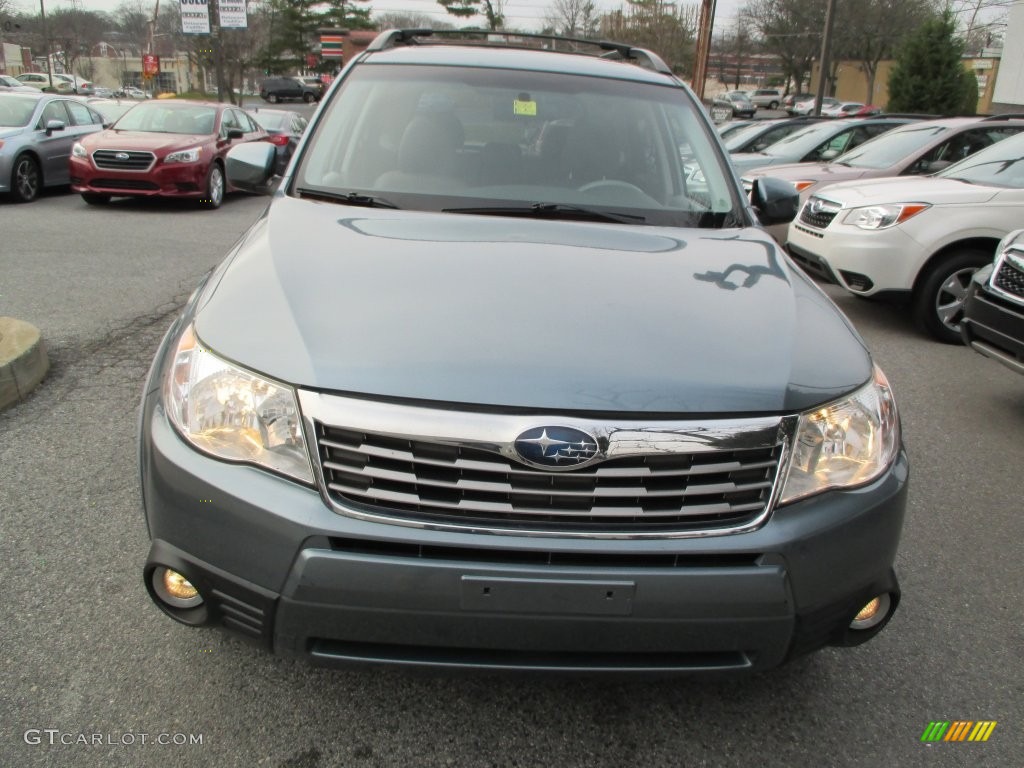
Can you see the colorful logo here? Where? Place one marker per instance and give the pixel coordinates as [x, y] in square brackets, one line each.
[958, 730]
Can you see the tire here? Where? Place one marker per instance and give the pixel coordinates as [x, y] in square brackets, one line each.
[272, 98]
[773, 105]
[308, 97]
[94, 198]
[26, 179]
[215, 188]
[938, 299]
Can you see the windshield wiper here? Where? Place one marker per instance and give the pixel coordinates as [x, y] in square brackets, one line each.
[552, 210]
[346, 198]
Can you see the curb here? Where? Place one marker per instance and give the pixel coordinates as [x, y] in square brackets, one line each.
[23, 360]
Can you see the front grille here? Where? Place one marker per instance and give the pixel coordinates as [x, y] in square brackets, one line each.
[1009, 277]
[437, 482]
[818, 212]
[124, 184]
[123, 160]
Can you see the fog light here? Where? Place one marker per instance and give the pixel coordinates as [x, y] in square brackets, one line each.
[174, 589]
[872, 614]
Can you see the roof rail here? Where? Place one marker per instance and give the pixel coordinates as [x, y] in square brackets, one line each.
[395, 37]
[1004, 116]
[915, 115]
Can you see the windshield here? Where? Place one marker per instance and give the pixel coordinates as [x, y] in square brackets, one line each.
[1001, 165]
[443, 138]
[803, 141]
[111, 110]
[168, 118]
[741, 136]
[888, 149]
[16, 111]
[273, 121]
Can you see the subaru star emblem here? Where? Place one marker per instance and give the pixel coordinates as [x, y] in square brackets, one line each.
[556, 447]
[122, 156]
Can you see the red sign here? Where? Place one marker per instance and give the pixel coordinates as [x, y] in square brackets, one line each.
[150, 65]
[310, 59]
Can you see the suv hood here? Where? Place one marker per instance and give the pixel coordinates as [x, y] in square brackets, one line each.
[920, 189]
[527, 314]
[8, 133]
[746, 161]
[824, 172]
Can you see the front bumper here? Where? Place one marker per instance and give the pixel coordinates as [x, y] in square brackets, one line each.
[275, 564]
[993, 326]
[865, 263]
[174, 180]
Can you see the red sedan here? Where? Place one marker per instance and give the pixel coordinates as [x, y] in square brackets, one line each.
[162, 148]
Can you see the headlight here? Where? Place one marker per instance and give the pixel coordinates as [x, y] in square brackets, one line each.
[847, 443]
[185, 156]
[77, 150]
[232, 413]
[883, 216]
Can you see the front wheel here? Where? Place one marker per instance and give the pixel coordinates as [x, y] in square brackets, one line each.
[938, 305]
[214, 188]
[26, 179]
[773, 105]
[309, 98]
[272, 98]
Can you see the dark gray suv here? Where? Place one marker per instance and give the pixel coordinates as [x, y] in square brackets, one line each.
[509, 376]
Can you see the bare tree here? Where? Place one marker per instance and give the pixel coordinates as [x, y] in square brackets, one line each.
[791, 29]
[410, 20]
[666, 28]
[492, 10]
[573, 18]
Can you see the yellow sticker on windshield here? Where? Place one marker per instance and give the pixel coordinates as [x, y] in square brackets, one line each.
[524, 108]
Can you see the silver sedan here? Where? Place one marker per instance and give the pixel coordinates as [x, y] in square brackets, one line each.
[36, 134]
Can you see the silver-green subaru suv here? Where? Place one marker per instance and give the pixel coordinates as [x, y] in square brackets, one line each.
[509, 376]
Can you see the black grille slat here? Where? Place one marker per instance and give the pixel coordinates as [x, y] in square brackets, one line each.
[821, 218]
[108, 159]
[1009, 278]
[445, 483]
[124, 184]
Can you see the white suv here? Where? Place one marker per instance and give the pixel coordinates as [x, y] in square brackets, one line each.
[919, 238]
[766, 98]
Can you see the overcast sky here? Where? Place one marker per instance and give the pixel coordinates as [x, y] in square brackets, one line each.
[525, 14]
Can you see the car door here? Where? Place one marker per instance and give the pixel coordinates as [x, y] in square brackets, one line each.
[54, 147]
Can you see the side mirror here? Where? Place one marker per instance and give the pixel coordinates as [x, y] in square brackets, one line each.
[235, 133]
[935, 166]
[250, 166]
[828, 154]
[775, 200]
[54, 125]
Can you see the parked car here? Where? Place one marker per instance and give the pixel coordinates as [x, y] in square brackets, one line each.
[993, 322]
[315, 85]
[910, 150]
[103, 93]
[731, 105]
[731, 126]
[285, 129]
[919, 239]
[37, 132]
[9, 84]
[758, 135]
[424, 443]
[64, 84]
[276, 89]
[817, 142]
[766, 98]
[806, 105]
[131, 92]
[162, 148]
[842, 109]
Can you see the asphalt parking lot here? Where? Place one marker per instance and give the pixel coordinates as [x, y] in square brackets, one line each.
[86, 654]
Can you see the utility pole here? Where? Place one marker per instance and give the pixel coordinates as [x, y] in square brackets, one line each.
[46, 42]
[826, 52]
[700, 64]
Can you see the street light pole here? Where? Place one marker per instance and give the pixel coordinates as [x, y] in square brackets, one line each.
[826, 52]
[46, 42]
